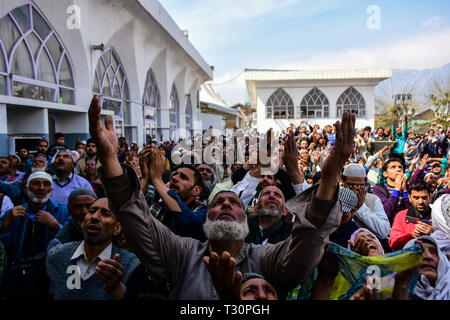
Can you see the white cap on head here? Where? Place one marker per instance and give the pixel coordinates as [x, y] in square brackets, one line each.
[15, 155]
[354, 170]
[75, 155]
[39, 175]
[68, 151]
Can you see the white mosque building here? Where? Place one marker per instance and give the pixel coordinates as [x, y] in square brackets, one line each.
[282, 97]
[56, 54]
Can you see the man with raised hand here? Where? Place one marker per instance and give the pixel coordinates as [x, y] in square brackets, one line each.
[179, 261]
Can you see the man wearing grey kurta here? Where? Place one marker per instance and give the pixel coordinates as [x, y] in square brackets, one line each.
[179, 261]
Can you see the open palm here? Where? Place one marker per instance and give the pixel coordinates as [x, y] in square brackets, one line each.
[104, 137]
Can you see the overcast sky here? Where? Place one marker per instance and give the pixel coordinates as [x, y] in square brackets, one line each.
[233, 35]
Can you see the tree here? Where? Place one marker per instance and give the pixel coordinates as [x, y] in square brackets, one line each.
[438, 97]
[387, 108]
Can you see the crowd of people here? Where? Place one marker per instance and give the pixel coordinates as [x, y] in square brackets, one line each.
[107, 219]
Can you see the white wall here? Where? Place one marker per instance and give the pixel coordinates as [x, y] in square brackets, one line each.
[297, 91]
[212, 120]
[140, 42]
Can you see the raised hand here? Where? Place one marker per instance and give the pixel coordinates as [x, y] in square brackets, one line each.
[339, 154]
[424, 161]
[290, 160]
[157, 164]
[414, 161]
[360, 247]
[110, 271]
[105, 138]
[222, 270]
[398, 183]
[143, 156]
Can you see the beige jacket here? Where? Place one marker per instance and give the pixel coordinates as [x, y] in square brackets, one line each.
[179, 261]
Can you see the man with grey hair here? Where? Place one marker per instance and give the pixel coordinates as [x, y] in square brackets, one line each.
[271, 224]
[28, 229]
[180, 260]
[65, 180]
[369, 213]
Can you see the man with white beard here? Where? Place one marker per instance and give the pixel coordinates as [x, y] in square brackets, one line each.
[185, 262]
[28, 229]
[272, 223]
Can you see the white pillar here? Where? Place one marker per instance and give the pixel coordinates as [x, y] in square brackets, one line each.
[3, 130]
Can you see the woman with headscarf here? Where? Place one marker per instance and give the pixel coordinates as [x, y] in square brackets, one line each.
[337, 278]
[365, 243]
[434, 271]
[440, 215]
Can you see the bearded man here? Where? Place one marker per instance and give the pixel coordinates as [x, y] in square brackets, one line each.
[209, 177]
[28, 229]
[179, 260]
[269, 225]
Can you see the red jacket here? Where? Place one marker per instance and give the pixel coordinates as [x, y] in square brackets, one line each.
[401, 231]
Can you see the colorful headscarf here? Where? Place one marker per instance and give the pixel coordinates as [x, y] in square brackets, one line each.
[354, 268]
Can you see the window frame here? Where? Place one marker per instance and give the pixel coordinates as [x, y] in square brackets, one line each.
[8, 60]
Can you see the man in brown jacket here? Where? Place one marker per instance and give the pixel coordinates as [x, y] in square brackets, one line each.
[179, 261]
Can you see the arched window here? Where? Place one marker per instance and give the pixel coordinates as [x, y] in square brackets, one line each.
[111, 84]
[352, 101]
[314, 105]
[33, 61]
[174, 112]
[152, 108]
[280, 105]
[189, 117]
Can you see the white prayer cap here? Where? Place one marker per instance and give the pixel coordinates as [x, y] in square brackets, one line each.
[65, 150]
[354, 170]
[75, 155]
[39, 175]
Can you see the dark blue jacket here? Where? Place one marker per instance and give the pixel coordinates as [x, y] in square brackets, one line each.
[188, 222]
[21, 247]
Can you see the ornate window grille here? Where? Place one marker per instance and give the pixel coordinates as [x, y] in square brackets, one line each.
[280, 105]
[34, 63]
[352, 101]
[174, 112]
[189, 116]
[152, 108]
[315, 105]
[111, 83]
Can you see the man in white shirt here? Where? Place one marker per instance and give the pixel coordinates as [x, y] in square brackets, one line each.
[370, 213]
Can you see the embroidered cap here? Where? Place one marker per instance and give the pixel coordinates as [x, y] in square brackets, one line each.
[348, 199]
[354, 170]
